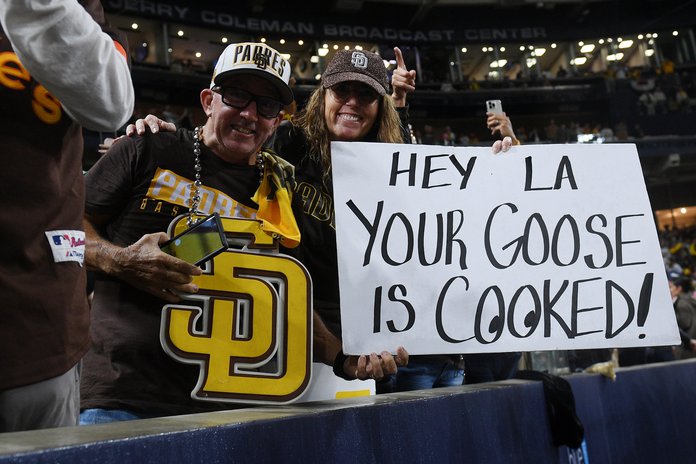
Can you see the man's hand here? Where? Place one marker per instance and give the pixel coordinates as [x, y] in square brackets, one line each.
[403, 81]
[142, 264]
[151, 123]
[375, 366]
[145, 266]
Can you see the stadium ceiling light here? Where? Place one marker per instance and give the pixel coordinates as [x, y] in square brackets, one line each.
[224, 40]
[314, 59]
[589, 48]
[675, 33]
[553, 45]
[300, 42]
[317, 77]
[180, 33]
[323, 51]
[649, 52]
[263, 40]
[134, 26]
[539, 51]
[286, 56]
[464, 50]
[282, 41]
[579, 61]
[198, 54]
[626, 44]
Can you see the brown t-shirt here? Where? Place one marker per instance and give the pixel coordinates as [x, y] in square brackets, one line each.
[139, 185]
[45, 316]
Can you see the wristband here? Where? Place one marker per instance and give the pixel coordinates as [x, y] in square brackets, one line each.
[338, 366]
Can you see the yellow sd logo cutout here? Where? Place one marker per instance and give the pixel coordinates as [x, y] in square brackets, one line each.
[250, 329]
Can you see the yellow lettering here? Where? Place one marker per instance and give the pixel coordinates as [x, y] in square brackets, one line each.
[143, 204]
[162, 180]
[223, 205]
[158, 207]
[172, 188]
[175, 211]
[180, 194]
[12, 73]
[207, 197]
[45, 106]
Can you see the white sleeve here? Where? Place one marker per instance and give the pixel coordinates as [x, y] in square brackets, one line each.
[65, 50]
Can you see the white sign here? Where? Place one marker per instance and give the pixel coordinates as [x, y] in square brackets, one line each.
[457, 250]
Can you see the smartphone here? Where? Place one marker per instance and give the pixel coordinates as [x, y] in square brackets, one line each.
[198, 243]
[494, 106]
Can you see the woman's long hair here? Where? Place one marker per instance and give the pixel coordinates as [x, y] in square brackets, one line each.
[311, 120]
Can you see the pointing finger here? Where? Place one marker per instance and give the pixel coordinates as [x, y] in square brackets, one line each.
[399, 58]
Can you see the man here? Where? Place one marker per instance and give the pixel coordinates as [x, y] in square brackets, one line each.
[680, 287]
[134, 192]
[60, 71]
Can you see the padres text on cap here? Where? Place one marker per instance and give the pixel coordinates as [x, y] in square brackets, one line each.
[357, 65]
[258, 59]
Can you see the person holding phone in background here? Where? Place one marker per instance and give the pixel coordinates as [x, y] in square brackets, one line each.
[498, 121]
[489, 367]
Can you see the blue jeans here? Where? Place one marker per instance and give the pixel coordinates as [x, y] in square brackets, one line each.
[423, 375]
[105, 416]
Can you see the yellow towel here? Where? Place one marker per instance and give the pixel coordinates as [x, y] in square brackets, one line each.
[274, 197]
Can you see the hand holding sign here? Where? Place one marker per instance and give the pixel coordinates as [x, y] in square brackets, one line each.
[403, 80]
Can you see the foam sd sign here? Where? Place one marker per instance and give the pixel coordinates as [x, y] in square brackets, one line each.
[249, 328]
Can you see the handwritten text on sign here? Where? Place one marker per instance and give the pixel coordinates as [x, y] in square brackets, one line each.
[457, 250]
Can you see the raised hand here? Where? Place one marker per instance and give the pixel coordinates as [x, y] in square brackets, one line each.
[403, 80]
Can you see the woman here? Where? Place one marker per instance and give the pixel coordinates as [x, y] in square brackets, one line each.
[351, 104]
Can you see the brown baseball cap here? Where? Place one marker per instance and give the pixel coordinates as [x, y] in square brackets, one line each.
[357, 65]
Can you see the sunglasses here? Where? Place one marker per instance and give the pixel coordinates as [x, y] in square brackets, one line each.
[238, 98]
[362, 93]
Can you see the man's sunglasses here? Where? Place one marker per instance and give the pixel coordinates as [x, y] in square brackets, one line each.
[238, 98]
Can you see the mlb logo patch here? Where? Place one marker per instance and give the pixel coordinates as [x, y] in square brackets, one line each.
[67, 245]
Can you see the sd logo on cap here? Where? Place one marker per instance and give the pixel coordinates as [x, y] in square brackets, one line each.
[258, 59]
